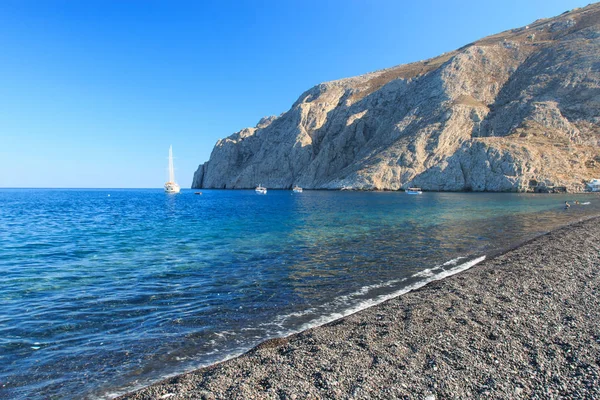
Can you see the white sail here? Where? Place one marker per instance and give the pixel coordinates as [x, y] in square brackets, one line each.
[171, 186]
[171, 168]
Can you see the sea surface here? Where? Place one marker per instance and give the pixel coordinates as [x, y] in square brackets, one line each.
[102, 291]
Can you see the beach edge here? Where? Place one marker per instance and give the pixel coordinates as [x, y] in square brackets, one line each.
[204, 382]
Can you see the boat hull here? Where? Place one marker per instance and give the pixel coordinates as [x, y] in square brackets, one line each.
[172, 188]
[261, 189]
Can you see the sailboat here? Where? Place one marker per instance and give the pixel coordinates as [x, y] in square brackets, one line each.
[260, 189]
[171, 186]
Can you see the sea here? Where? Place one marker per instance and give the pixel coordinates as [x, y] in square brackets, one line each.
[103, 291]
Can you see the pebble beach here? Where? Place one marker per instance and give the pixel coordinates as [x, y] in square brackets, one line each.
[523, 324]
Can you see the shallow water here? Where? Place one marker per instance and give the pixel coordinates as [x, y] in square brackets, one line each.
[102, 293]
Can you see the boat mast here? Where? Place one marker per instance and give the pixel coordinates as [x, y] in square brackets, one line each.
[171, 169]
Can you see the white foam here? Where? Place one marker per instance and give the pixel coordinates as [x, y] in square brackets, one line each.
[373, 302]
[429, 274]
[280, 320]
[225, 333]
[453, 261]
[324, 319]
[426, 273]
[366, 289]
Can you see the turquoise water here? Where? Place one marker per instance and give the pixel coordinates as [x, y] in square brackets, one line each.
[102, 293]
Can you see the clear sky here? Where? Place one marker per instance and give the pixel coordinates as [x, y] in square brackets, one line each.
[93, 92]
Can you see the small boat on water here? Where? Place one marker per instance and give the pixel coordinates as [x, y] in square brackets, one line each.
[260, 189]
[297, 189]
[171, 187]
[414, 190]
[594, 185]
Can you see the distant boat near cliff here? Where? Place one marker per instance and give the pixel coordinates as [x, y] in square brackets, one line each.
[413, 190]
[171, 186]
[297, 189]
[594, 185]
[261, 189]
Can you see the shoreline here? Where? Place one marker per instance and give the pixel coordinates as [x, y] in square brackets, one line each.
[476, 333]
[397, 190]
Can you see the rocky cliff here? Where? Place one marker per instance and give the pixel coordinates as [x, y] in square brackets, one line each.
[517, 111]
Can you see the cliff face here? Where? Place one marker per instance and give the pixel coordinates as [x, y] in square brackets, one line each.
[517, 111]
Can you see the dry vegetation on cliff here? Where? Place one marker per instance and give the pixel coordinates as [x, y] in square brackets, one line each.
[502, 112]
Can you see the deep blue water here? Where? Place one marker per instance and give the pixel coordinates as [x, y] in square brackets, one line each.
[100, 294]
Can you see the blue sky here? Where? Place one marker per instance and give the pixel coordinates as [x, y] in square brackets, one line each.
[94, 92]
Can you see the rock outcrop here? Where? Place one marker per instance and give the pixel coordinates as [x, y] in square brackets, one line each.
[517, 111]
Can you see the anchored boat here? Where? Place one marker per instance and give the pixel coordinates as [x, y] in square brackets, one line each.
[260, 189]
[171, 186]
[594, 185]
